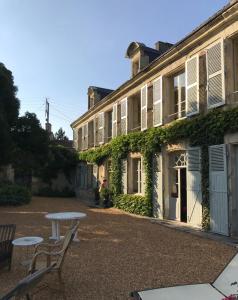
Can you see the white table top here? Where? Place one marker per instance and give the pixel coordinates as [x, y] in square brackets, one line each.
[66, 216]
[184, 292]
[27, 241]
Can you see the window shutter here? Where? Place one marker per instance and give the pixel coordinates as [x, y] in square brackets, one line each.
[157, 102]
[95, 131]
[194, 192]
[124, 116]
[192, 85]
[75, 137]
[143, 176]
[215, 75]
[143, 107]
[158, 210]
[218, 189]
[114, 121]
[86, 136]
[82, 138]
[124, 175]
[101, 128]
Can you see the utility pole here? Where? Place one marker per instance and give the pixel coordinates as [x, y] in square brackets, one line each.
[47, 117]
[47, 110]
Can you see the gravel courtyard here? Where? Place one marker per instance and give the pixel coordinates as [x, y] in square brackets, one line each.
[117, 252]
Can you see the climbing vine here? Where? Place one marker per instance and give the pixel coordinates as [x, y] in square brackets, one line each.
[202, 130]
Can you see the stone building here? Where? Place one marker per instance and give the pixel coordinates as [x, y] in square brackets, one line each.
[196, 76]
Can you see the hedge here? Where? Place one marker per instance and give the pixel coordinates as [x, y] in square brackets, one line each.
[134, 204]
[14, 195]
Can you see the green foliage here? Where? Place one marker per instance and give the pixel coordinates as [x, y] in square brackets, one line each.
[14, 195]
[60, 159]
[32, 144]
[9, 110]
[201, 130]
[60, 135]
[133, 204]
[49, 192]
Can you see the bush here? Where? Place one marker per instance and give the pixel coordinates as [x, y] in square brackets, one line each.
[49, 192]
[14, 195]
[133, 204]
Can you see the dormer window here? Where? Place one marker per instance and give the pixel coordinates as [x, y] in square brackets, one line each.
[141, 55]
[135, 67]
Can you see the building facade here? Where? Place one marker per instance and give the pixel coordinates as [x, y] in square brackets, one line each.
[171, 83]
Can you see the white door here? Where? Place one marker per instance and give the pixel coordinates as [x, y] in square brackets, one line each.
[157, 186]
[194, 193]
[174, 202]
[218, 189]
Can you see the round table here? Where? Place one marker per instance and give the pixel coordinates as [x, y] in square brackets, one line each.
[63, 216]
[27, 241]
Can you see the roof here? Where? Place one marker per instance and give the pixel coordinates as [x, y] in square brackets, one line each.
[155, 61]
[101, 90]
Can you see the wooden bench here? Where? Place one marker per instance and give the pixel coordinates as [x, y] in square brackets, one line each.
[25, 287]
[7, 233]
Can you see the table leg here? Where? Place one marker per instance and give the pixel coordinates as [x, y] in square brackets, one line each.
[57, 226]
[54, 230]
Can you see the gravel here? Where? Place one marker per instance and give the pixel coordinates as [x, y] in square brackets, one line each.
[117, 253]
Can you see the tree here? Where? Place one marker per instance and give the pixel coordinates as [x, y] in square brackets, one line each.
[60, 135]
[9, 111]
[60, 159]
[32, 144]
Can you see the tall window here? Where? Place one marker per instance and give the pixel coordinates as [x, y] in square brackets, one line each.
[179, 95]
[136, 170]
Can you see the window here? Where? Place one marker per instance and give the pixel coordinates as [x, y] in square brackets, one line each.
[135, 67]
[91, 101]
[178, 96]
[136, 173]
[174, 183]
[109, 125]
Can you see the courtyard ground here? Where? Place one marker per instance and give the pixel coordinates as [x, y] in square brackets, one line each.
[117, 253]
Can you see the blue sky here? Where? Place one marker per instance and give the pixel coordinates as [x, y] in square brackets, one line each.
[57, 48]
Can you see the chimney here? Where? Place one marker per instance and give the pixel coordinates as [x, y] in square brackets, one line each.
[162, 46]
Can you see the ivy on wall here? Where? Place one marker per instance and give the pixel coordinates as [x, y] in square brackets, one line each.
[202, 130]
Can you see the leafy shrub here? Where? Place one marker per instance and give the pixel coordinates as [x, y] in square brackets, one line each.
[14, 195]
[49, 192]
[135, 204]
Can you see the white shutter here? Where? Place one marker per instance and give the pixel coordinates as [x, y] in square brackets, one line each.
[143, 176]
[143, 98]
[95, 132]
[192, 85]
[194, 192]
[114, 121]
[95, 175]
[124, 175]
[215, 75]
[157, 186]
[82, 138]
[75, 137]
[101, 128]
[86, 136]
[218, 189]
[157, 101]
[124, 120]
